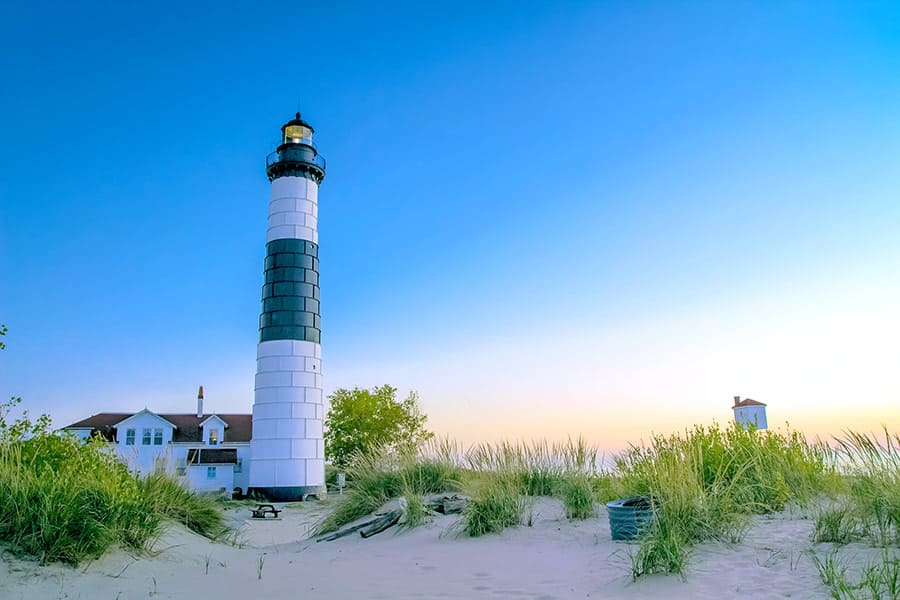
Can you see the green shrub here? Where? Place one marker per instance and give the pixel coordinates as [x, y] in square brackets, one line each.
[331, 473]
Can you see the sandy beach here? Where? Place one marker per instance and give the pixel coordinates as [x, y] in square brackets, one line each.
[552, 559]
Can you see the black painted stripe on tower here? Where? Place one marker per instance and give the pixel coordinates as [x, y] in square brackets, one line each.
[290, 294]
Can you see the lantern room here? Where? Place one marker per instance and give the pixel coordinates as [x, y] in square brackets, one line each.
[297, 131]
[296, 156]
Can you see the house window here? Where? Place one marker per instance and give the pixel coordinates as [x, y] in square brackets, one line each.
[145, 437]
[210, 472]
[239, 465]
[157, 437]
[129, 437]
[181, 467]
[213, 437]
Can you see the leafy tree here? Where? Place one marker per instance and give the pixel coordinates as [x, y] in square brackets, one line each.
[362, 421]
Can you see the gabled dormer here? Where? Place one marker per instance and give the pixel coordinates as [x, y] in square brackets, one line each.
[142, 429]
[212, 430]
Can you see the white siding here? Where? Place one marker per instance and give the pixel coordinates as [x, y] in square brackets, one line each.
[287, 414]
[142, 457]
[293, 210]
[223, 479]
[746, 415]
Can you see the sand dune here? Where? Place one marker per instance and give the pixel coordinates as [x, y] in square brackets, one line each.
[553, 558]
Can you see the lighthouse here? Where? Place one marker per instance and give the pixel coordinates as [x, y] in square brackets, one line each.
[287, 447]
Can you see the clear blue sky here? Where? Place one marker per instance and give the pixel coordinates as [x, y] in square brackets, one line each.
[548, 218]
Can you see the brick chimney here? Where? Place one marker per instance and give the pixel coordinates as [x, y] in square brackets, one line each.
[737, 399]
[200, 402]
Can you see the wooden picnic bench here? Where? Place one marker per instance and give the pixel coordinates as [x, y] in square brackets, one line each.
[262, 510]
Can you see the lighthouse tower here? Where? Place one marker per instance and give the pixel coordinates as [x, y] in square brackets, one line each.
[287, 448]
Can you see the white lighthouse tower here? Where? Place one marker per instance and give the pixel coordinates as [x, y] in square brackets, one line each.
[287, 447]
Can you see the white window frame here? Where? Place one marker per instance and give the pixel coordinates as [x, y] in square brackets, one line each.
[157, 437]
[146, 436]
[210, 472]
[130, 435]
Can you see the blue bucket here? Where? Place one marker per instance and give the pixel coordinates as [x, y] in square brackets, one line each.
[629, 516]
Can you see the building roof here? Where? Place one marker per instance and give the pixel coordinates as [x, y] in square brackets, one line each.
[146, 411]
[187, 426]
[103, 424]
[748, 402]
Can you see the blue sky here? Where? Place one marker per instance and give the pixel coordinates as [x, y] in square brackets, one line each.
[549, 219]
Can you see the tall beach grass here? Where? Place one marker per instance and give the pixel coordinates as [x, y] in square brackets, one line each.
[66, 500]
[375, 478]
[497, 477]
[869, 507]
[704, 484]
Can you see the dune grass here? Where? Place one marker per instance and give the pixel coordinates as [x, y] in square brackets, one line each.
[878, 579]
[537, 469]
[577, 493]
[498, 504]
[706, 483]
[703, 484]
[869, 507]
[65, 500]
[373, 479]
[494, 475]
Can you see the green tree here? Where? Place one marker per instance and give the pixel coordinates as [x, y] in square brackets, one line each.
[361, 421]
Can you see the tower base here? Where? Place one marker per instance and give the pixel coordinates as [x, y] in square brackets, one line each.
[289, 494]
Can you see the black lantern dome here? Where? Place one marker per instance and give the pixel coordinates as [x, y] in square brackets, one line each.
[297, 155]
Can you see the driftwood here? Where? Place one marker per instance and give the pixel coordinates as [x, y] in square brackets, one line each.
[347, 531]
[381, 523]
[453, 505]
[447, 505]
[392, 512]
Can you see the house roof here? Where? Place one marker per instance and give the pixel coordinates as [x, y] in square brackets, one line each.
[748, 402]
[212, 416]
[187, 426]
[103, 424]
[146, 411]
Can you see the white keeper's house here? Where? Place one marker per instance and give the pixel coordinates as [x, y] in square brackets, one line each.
[210, 451]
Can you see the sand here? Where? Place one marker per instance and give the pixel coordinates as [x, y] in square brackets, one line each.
[554, 558]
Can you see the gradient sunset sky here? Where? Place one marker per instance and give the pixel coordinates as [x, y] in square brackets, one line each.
[550, 219]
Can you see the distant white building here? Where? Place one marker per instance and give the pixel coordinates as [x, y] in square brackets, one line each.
[749, 412]
[211, 452]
